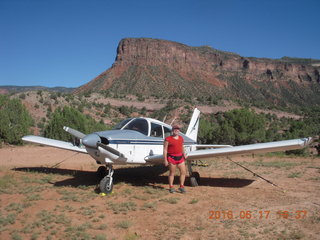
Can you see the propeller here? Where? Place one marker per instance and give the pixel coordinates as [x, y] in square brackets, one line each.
[110, 149]
[92, 140]
[74, 132]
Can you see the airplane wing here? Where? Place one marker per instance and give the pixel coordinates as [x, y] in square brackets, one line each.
[252, 148]
[199, 146]
[239, 150]
[53, 143]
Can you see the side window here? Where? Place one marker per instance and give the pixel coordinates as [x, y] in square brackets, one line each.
[167, 132]
[156, 130]
[138, 124]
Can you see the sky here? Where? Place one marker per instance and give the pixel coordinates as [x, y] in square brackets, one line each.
[69, 42]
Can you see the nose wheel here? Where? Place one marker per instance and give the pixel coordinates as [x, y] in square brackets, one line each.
[106, 183]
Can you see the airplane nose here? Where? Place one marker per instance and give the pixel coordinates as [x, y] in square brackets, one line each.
[91, 140]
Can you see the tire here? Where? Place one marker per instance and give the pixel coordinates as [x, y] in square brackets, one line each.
[195, 179]
[193, 182]
[197, 176]
[106, 185]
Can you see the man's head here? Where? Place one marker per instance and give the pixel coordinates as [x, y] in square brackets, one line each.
[175, 129]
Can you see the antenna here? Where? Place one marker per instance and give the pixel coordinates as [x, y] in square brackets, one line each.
[173, 120]
[164, 119]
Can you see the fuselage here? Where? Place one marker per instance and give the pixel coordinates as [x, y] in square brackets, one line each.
[135, 139]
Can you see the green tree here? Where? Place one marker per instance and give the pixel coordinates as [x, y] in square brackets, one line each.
[206, 130]
[249, 127]
[15, 120]
[70, 117]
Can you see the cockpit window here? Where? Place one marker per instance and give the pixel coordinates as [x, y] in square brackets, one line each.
[122, 123]
[167, 132]
[138, 124]
[156, 130]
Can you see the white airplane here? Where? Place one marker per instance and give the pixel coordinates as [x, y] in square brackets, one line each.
[140, 141]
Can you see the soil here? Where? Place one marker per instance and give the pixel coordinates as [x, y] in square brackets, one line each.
[48, 193]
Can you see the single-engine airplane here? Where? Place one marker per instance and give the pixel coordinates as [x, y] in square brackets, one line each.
[140, 141]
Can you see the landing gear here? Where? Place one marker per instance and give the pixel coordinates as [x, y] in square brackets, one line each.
[106, 183]
[102, 172]
[194, 176]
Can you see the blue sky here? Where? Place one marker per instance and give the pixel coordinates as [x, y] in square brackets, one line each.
[69, 42]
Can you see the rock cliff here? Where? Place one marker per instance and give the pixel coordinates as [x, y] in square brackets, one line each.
[164, 68]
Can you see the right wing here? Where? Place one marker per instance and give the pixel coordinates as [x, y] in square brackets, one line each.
[54, 143]
[201, 146]
[251, 148]
[210, 154]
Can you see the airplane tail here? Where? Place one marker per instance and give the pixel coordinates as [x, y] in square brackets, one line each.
[192, 131]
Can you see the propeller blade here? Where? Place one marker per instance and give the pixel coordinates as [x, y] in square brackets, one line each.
[74, 133]
[110, 149]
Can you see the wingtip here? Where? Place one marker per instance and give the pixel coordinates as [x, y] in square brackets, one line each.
[308, 141]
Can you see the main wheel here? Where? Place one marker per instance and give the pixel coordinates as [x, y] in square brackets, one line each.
[197, 176]
[106, 185]
[194, 179]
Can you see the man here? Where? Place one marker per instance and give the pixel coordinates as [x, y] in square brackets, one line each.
[174, 156]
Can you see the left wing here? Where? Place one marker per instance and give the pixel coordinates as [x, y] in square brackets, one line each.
[54, 143]
[238, 150]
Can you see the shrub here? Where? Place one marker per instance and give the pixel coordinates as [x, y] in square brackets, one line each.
[70, 117]
[15, 120]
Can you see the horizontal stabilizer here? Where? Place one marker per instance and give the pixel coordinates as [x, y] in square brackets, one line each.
[53, 143]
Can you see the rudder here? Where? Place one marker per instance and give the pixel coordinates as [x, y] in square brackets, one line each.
[193, 127]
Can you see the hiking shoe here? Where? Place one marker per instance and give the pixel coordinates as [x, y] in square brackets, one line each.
[182, 190]
[172, 190]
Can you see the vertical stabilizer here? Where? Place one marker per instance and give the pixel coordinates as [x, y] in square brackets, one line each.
[192, 131]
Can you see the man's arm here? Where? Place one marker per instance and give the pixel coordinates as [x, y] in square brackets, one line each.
[165, 151]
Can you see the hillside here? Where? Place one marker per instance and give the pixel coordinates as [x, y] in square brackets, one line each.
[151, 67]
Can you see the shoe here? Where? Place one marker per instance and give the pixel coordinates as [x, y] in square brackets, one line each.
[172, 190]
[182, 189]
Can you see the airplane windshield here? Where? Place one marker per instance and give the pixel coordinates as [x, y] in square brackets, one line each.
[138, 124]
[122, 123]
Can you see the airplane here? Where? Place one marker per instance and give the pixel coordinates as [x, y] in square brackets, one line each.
[140, 141]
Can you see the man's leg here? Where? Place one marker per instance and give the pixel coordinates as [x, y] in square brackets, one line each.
[182, 169]
[172, 170]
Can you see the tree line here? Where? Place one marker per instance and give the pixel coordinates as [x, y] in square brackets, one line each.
[236, 127]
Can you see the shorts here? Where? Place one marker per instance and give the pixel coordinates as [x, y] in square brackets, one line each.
[174, 161]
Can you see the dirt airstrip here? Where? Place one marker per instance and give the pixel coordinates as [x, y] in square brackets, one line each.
[48, 193]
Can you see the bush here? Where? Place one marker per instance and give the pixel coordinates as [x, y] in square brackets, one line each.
[70, 117]
[15, 120]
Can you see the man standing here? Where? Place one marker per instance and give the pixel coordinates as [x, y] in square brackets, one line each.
[174, 156]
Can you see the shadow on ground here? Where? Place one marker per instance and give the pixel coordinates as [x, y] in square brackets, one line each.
[136, 176]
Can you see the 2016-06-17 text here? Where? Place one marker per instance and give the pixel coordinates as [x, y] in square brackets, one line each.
[260, 214]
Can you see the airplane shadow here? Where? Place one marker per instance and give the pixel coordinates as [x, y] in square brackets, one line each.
[136, 176]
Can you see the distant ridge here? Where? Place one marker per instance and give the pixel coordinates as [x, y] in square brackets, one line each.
[7, 89]
[162, 68]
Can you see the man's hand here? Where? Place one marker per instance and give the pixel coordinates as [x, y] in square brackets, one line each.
[166, 164]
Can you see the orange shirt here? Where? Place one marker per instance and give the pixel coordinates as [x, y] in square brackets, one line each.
[175, 146]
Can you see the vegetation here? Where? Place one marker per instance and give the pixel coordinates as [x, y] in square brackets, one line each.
[242, 126]
[236, 127]
[15, 120]
[71, 117]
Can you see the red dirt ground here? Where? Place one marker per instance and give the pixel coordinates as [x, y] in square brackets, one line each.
[48, 193]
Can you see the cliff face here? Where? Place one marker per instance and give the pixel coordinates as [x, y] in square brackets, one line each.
[159, 67]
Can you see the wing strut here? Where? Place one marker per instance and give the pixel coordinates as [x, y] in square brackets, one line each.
[255, 174]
